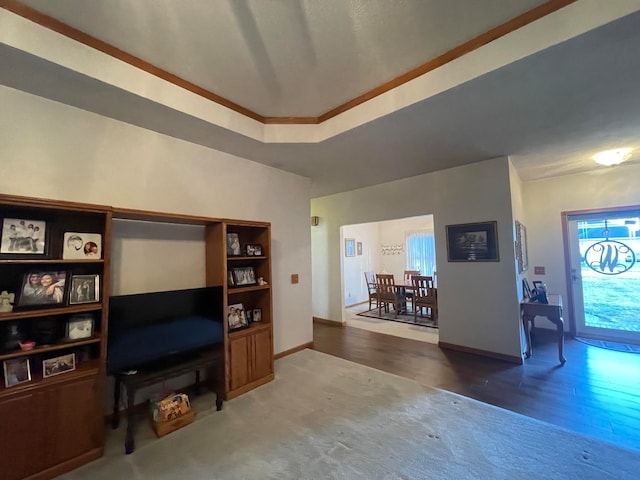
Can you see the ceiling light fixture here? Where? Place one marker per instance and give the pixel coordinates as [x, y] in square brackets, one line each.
[612, 157]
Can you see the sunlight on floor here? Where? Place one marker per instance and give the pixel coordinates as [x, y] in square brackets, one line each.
[389, 327]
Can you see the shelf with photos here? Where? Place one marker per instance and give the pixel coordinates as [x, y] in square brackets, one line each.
[50, 348]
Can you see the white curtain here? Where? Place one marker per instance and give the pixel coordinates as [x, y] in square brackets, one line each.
[421, 252]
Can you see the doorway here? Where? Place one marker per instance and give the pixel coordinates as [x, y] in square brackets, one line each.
[604, 271]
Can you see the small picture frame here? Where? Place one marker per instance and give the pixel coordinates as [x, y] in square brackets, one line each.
[16, 371]
[78, 245]
[359, 248]
[349, 247]
[253, 250]
[236, 317]
[473, 242]
[58, 365]
[243, 276]
[233, 245]
[526, 289]
[42, 288]
[23, 236]
[230, 280]
[84, 289]
[256, 315]
[79, 326]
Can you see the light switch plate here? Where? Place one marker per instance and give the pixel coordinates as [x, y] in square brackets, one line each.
[538, 270]
[294, 278]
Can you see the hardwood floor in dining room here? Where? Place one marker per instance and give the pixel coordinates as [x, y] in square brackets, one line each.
[597, 392]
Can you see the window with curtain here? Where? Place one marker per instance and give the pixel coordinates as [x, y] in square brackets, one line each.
[421, 252]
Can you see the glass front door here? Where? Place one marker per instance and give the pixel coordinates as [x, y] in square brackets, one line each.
[605, 273]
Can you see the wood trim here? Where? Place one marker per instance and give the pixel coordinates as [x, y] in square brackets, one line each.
[79, 36]
[326, 321]
[520, 21]
[293, 350]
[68, 465]
[249, 386]
[161, 217]
[482, 353]
[453, 54]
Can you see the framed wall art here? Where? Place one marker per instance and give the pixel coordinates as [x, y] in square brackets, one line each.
[349, 247]
[473, 242]
[521, 247]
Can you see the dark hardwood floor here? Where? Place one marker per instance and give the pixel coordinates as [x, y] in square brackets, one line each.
[597, 392]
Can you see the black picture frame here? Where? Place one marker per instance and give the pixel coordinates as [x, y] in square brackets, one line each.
[233, 245]
[253, 250]
[84, 289]
[23, 237]
[42, 288]
[256, 315]
[237, 317]
[526, 289]
[473, 242]
[243, 276]
[522, 255]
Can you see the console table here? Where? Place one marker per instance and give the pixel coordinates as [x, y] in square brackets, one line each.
[154, 373]
[553, 311]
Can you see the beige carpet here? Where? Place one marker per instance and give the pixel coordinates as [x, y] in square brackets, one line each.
[328, 418]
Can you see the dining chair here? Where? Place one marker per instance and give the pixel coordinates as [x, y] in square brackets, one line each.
[407, 281]
[389, 294]
[425, 295]
[370, 278]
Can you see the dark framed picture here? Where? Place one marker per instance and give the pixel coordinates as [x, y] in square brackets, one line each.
[243, 276]
[16, 371]
[521, 247]
[473, 242]
[526, 289]
[349, 247]
[57, 365]
[256, 315]
[230, 280]
[84, 289]
[253, 250]
[81, 245]
[236, 317]
[359, 248]
[23, 236]
[42, 288]
[233, 245]
[79, 326]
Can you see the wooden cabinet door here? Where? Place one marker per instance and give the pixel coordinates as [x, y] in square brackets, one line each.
[73, 419]
[262, 355]
[239, 356]
[22, 436]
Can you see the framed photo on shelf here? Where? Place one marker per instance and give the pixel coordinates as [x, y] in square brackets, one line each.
[230, 280]
[233, 245]
[42, 288]
[349, 247]
[256, 315]
[16, 371]
[79, 326]
[243, 276]
[57, 365]
[237, 318]
[253, 250]
[78, 245]
[23, 236]
[84, 289]
[473, 242]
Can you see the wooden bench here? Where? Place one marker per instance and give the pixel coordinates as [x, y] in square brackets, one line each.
[153, 373]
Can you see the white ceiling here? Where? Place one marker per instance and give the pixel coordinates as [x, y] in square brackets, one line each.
[549, 110]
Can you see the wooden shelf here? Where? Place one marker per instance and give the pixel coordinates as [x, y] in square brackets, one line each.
[49, 261]
[252, 288]
[50, 348]
[253, 328]
[244, 259]
[46, 312]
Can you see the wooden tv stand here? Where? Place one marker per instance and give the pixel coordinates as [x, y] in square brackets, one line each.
[154, 373]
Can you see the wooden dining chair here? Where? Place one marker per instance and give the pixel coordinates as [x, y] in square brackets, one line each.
[389, 294]
[407, 281]
[370, 278]
[425, 295]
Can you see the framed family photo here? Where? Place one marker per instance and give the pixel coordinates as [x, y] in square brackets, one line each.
[253, 250]
[236, 317]
[243, 276]
[78, 245]
[42, 288]
[233, 245]
[57, 365]
[79, 326]
[84, 289]
[473, 242]
[16, 371]
[23, 236]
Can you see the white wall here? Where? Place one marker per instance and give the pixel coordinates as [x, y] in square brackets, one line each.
[478, 303]
[546, 199]
[50, 150]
